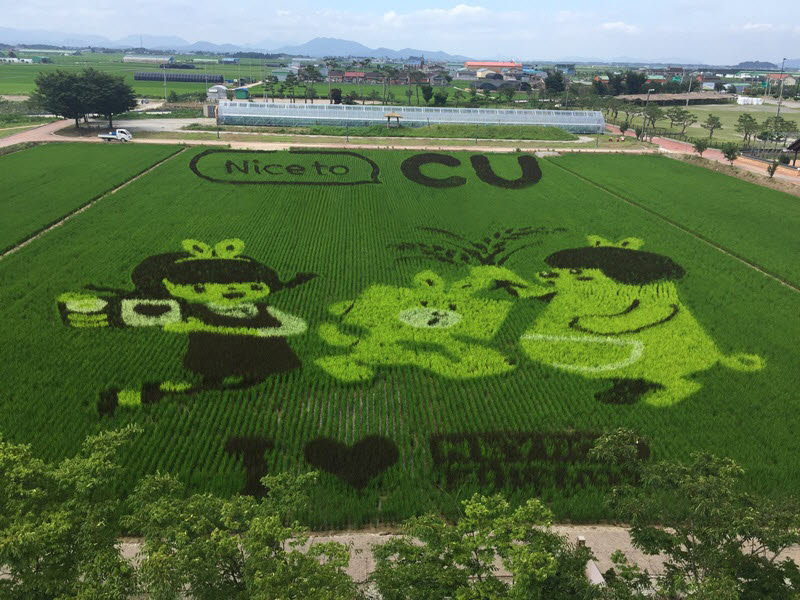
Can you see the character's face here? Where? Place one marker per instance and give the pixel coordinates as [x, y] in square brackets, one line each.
[222, 294]
[589, 281]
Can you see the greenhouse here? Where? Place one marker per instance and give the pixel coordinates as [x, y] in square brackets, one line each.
[274, 113]
[184, 77]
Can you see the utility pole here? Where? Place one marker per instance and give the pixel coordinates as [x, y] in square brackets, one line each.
[644, 115]
[691, 80]
[165, 85]
[780, 94]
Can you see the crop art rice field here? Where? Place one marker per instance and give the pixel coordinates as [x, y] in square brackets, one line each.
[415, 326]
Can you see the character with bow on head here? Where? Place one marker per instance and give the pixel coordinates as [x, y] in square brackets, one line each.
[215, 295]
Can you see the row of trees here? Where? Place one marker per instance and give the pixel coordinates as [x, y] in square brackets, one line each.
[60, 527]
[77, 95]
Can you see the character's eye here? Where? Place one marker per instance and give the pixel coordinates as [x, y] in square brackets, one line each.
[199, 288]
[256, 287]
[452, 307]
[548, 274]
[424, 302]
[575, 271]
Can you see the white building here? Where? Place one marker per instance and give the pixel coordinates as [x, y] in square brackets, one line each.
[158, 60]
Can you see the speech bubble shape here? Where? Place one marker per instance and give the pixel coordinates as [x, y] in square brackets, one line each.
[295, 167]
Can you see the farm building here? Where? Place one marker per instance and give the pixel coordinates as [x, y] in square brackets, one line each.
[182, 77]
[230, 61]
[241, 93]
[270, 113]
[18, 61]
[132, 58]
[206, 61]
[217, 92]
[494, 65]
[281, 73]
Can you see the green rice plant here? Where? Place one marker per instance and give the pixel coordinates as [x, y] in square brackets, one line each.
[424, 405]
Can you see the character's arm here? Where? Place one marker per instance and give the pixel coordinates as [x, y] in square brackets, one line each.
[331, 335]
[636, 317]
[493, 278]
[83, 310]
[299, 279]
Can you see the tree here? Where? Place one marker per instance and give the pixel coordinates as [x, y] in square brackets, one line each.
[427, 92]
[335, 96]
[599, 87]
[772, 168]
[747, 125]
[311, 93]
[291, 82]
[711, 123]
[59, 524]
[60, 93]
[440, 98]
[688, 120]
[624, 127]
[719, 86]
[732, 89]
[730, 151]
[676, 114]
[507, 93]
[311, 73]
[473, 94]
[416, 77]
[700, 145]
[555, 82]
[205, 547]
[616, 83]
[374, 96]
[634, 82]
[458, 95]
[409, 93]
[107, 94]
[653, 113]
[719, 541]
[438, 560]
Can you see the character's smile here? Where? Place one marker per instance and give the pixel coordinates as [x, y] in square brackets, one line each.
[584, 278]
[233, 295]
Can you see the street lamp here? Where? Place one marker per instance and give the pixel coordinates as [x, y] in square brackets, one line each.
[644, 114]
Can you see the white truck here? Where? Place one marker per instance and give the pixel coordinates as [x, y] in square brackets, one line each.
[121, 135]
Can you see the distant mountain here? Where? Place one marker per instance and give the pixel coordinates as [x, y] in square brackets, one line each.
[54, 38]
[323, 46]
[756, 64]
[793, 63]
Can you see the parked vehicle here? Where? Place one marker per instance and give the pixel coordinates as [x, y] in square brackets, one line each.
[120, 135]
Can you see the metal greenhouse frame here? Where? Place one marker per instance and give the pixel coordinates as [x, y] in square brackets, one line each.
[275, 113]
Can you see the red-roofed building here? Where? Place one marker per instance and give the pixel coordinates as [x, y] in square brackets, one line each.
[474, 65]
[353, 77]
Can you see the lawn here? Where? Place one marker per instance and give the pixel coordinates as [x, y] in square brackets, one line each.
[43, 184]
[728, 114]
[416, 326]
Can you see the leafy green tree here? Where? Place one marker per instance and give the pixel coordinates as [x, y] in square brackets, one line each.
[508, 93]
[60, 524]
[473, 94]
[719, 541]
[711, 123]
[374, 96]
[772, 168]
[436, 560]
[458, 95]
[311, 73]
[616, 83]
[555, 82]
[291, 83]
[747, 125]
[440, 98]
[335, 96]
[624, 127]
[676, 114]
[700, 145]
[107, 94]
[599, 87]
[634, 82]
[653, 113]
[60, 93]
[427, 92]
[310, 94]
[204, 547]
[730, 151]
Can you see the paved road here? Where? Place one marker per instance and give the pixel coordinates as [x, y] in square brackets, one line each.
[673, 146]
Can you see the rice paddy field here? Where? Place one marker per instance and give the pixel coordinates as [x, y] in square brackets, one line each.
[416, 326]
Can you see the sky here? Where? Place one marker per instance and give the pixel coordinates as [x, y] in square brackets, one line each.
[710, 31]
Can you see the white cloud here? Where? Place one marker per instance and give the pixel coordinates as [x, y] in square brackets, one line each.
[757, 27]
[621, 27]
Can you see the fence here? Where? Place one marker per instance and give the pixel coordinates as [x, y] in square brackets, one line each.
[273, 113]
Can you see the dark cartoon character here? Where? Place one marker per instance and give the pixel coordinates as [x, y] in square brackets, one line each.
[214, 295]
[615, 314]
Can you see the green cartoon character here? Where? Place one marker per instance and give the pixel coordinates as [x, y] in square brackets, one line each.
[217, 297]
[615, 314]
[443, 328]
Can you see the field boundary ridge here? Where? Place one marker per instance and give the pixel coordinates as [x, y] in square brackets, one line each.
[4, 252]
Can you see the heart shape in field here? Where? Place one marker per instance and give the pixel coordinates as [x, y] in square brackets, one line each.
[357, 464]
